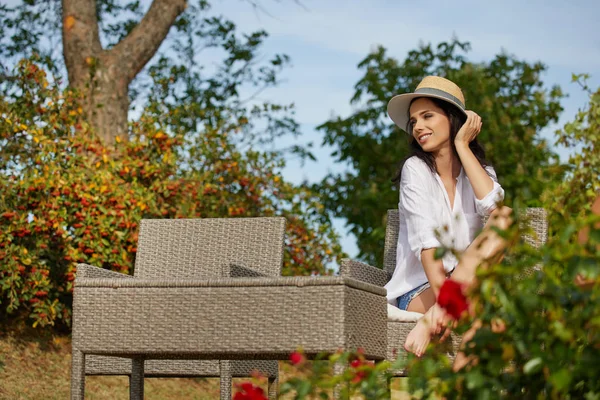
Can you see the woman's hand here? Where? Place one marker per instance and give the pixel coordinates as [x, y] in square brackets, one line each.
[438, 319]
[469, 131]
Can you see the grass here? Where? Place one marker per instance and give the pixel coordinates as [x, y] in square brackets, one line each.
[36, 365]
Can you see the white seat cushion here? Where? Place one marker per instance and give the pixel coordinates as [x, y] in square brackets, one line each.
[398, 315]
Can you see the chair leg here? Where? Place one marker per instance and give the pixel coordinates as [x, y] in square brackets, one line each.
[136, 382]
[225, 374]
[77, 375]
[389, 386]
[273, 388]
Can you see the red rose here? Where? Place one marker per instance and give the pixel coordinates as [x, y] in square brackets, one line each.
[247, 391]
[296, 358]
[362, 368]
[358, 377]
[452, 298]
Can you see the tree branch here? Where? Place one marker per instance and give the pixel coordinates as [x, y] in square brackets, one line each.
[134, 51]
[7, 78]
[80, 37]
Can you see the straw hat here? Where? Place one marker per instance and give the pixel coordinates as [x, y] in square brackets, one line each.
[431, 86]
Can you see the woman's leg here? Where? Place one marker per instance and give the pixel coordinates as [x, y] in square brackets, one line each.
[430, 324]
[422, 302]
[487, 246]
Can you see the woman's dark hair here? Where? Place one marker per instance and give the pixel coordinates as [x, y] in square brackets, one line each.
[457, 119]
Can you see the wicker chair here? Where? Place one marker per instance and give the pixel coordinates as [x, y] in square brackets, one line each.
[188, 249]
[398, 330]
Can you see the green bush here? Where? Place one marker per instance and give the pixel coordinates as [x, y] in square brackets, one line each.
[317, 379]
[540, 335]
[66, 198]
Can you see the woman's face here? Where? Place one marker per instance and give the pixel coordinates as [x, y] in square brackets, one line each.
[430, 125]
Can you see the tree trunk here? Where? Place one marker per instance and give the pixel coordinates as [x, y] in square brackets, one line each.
[103, 76]
[106, 98]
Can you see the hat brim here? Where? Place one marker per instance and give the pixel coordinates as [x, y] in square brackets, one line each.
[397, 107]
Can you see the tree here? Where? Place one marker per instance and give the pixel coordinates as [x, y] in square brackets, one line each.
[506, 92]
[194, 147]
[107, 43]
[105, 75]
[571, 198]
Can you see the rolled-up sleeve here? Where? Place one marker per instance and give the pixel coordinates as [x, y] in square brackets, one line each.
[418, 205]
[486, 205]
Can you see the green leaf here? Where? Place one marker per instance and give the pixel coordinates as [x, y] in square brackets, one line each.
[474, 380]
[561, 379]
[562, 331]
[532, 366]
[440, 252]
[304, 388]
[592, 396]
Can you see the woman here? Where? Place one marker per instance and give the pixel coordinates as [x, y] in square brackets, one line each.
[446, 188]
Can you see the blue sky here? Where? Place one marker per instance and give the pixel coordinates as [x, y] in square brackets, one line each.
[326, 39]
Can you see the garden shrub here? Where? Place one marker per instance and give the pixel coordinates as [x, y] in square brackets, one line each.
[65, 198]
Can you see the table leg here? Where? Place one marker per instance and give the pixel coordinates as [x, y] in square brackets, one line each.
[77, 375]
[136, 382]
[225, 372]
[273, 388]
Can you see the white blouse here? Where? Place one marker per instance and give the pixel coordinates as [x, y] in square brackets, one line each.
[427, 221]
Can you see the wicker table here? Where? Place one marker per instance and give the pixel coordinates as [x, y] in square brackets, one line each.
[219, 319]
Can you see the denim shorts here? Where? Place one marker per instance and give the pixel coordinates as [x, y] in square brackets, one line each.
[406, 298]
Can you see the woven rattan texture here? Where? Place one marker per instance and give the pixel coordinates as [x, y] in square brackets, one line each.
[285, 281]
[89, 271]
[155, 321]
[391, 241]
[200, 248]
[537, 220]
[363, 272]
[187, 249]
[106, 365]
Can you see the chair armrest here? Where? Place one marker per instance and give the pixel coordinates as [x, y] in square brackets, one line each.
[89, 271]
[363, 272]
[239, 270]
